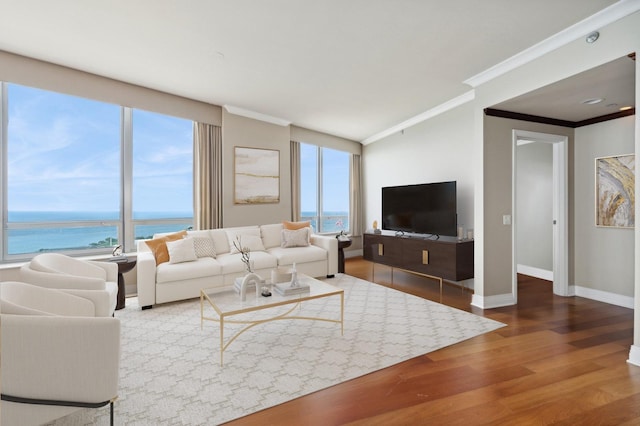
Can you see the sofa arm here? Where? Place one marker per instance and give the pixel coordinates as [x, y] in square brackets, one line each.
[146, 274]
[330, 244]
[73, 359]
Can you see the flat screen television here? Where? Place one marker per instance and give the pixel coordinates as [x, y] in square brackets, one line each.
[428, 208]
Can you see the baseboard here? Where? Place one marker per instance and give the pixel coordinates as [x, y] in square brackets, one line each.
[490, 302]
[532, 271]
[634, 355]
[604, 296]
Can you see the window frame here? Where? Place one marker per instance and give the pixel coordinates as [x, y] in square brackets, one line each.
[320, 191]
[125, 224]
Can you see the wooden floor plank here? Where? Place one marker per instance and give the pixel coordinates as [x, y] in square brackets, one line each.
[560, 360]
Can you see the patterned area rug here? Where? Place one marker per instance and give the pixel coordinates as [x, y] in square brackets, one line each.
[171, 373]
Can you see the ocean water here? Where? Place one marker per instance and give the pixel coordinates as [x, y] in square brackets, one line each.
[42, 238]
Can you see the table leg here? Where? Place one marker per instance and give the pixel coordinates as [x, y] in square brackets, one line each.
[342, 313]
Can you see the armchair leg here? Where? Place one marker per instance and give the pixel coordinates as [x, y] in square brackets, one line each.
[111, 414]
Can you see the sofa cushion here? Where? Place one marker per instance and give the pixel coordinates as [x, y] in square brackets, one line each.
[271, 235]
[296, 225]
[289, 256]
[158, 246]
[250, 242]
[204, 247]
[297, 238]
[220, 241]
[203, 267]
[181, 250]
[231, 263]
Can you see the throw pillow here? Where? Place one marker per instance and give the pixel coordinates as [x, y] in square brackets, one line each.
[181, 251]
[296, 225]
[204, 247]
[158, 246]
[252, 242]
[297, 238]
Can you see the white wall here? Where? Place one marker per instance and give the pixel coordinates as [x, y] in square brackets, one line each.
[534, 207]
[603, 256]
[434, 151]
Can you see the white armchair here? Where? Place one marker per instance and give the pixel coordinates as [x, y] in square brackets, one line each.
[95, 281]
[54, 359]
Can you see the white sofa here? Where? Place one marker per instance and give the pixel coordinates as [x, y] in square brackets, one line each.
[167, 282]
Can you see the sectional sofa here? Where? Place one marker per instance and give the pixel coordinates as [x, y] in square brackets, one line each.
[176, 266]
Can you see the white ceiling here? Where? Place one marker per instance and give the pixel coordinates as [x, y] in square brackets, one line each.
[613, 82]
[351, 68]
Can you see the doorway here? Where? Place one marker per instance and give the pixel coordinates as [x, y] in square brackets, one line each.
[559, 210]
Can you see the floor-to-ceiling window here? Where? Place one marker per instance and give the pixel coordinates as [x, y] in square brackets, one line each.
[324, 188]
[78, 175]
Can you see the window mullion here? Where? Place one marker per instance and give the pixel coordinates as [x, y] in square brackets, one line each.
[320, 208]
[4, 123]
[126, 173]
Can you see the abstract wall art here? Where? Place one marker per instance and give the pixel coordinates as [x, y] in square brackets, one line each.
[615, 191]
[257, 176]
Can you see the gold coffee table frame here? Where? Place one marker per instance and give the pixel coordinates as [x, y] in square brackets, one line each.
[229, 304]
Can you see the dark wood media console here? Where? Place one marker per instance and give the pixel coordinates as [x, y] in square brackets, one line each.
[446, 257]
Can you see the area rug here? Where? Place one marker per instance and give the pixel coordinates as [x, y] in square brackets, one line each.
[171, 373]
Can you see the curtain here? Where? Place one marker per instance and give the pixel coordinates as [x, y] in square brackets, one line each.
[207, 176]
[355, 200]
[295, 180]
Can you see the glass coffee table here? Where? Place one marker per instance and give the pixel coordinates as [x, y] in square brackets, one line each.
[227, 303]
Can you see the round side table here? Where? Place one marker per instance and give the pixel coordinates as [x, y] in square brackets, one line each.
[125, 264]
[342, 244]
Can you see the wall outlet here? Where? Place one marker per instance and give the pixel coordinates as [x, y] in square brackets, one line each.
[506, 219]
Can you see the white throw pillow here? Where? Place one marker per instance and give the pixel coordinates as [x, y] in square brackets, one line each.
[297, 238]
[252, 242]
[204, 247]
[181, 251]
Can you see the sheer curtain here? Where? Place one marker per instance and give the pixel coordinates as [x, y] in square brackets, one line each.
[207, 176]
[295, 180]
[355, 200]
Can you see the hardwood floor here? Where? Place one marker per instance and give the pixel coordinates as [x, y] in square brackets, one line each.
[559, 361]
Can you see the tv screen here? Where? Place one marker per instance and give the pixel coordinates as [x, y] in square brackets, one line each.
[428, 208]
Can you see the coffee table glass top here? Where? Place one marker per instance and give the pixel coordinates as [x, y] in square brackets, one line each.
[227, 301]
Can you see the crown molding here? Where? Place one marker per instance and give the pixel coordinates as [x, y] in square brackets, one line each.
[442, 108]
[598, 20]
[257, 115]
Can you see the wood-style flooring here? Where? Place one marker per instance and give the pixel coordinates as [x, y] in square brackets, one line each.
[560, 361]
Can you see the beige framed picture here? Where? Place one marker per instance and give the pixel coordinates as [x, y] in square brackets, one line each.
[256, 175]
[615, 191]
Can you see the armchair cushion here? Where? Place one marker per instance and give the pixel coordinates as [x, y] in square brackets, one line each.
[25, 299]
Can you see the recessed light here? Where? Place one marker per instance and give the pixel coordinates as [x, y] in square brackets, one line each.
[591, 38]
[592, 101]
[625, 108]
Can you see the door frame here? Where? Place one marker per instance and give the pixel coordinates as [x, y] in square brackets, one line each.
[560, 209]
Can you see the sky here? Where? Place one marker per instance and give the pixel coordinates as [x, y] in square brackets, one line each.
[64, 155]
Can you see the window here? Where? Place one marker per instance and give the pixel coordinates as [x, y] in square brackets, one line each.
[67, 183]
[324, 188]
[162, 173]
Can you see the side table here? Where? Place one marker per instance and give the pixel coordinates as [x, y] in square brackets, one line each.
[125, 264]
[342, 244]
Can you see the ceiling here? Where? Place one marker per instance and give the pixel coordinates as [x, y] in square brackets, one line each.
[349, 68]
[613, 82]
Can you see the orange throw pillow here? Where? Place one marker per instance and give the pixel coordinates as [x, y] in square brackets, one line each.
[158, 246]
[294, 226]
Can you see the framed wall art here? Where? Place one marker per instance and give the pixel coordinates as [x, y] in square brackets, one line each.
[615, 186]
[256, 175]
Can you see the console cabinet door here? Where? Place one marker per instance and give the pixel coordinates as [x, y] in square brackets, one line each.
[383, 249]
[430, 257]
